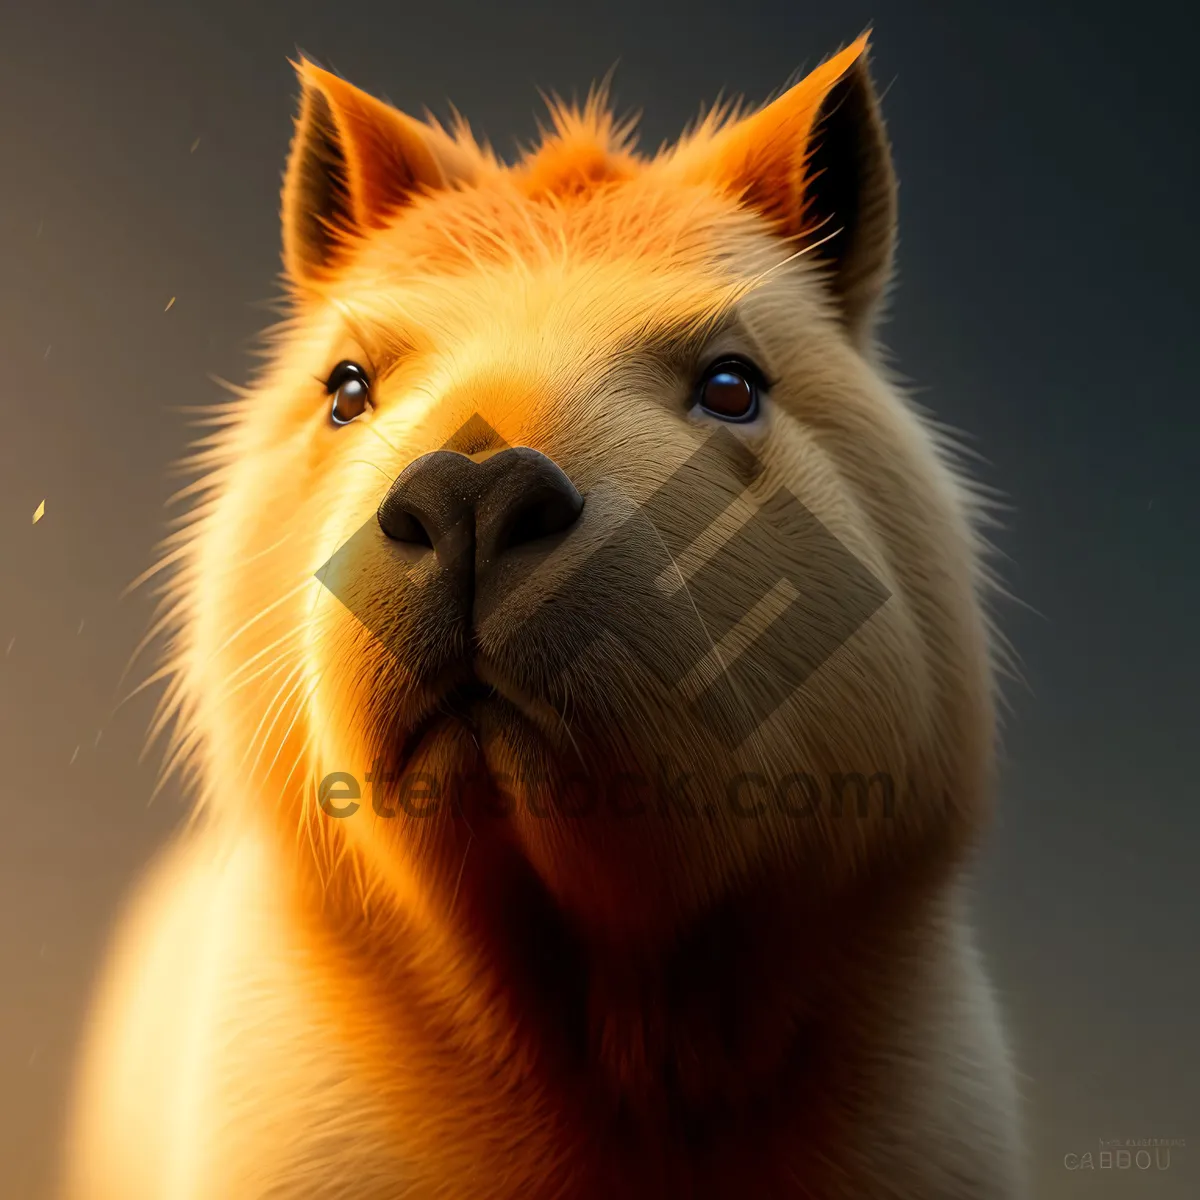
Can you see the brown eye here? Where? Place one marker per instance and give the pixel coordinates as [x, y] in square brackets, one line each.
[351, 392]
[730, 390]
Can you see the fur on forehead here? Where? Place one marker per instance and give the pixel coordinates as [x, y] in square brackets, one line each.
[501, 226]
[581, 196]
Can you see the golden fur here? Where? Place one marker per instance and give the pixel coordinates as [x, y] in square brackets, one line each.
[301, 1006]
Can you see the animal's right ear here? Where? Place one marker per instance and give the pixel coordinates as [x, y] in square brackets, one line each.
[817, 165]
[354, 162]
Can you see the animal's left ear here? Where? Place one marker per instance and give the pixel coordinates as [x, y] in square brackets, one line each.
[816, 162]
[354, 161]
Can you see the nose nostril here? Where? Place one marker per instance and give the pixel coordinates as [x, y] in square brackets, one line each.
[542, 516]
[403, 526]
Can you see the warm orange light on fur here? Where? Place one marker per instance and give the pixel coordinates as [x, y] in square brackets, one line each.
[538, 1006]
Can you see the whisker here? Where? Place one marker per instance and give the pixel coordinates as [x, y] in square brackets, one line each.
[461, 868]
[285, 735]
[395, 450]
[291, 681]
[291, 635]
[723, 666]
[306, 582]
[362, 462]
[269, 670]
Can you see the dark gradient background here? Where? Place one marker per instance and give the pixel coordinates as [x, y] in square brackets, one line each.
[1046, 305]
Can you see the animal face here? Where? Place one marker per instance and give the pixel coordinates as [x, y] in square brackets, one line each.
[572, 511]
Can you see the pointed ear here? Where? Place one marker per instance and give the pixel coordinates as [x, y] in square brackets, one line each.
[817, 163]
[353, 162]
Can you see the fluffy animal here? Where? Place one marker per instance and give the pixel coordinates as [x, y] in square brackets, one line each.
[579, 652]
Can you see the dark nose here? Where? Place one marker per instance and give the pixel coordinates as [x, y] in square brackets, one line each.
[471, 513]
